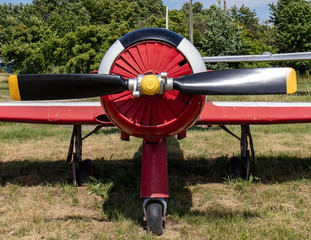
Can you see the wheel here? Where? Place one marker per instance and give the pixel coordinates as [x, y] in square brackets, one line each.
[246, 163]
[154, 218]
[75, 169]
[86, 170]
[236, 167]
[240, 168]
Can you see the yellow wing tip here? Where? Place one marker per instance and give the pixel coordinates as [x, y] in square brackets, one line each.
[291, 81]
[13, 86]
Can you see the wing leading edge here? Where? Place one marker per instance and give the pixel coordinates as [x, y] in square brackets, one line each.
[72, 113]
[214, 113]
[250, 113]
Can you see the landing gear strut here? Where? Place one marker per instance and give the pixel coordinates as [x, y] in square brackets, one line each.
[154, 185]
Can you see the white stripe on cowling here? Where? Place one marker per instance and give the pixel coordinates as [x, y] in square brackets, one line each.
[262, 104]
[50, 104]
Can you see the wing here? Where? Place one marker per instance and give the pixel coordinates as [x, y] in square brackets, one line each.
[239, 113]
[265, 57]
[73, 113]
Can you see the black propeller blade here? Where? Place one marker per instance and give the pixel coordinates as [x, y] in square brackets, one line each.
[250, 81]
[64, 86]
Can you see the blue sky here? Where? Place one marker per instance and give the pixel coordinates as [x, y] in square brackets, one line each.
[260, 6]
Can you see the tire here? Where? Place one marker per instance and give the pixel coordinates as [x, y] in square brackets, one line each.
[236, 167]
[75, 170]
[154, 218]
[86, 170]
[247, 164]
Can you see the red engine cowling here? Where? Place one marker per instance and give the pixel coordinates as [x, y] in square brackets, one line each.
[152, 51]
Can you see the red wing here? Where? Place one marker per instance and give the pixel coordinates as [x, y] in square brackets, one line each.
[217, 113]
[222, 113]
[54, 113]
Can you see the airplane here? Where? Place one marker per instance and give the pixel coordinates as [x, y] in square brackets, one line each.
[152, 84]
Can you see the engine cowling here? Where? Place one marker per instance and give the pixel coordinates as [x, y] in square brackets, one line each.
[152, 51]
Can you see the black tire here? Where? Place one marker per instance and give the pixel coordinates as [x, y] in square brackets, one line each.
[154, 218]
[75, 170]
[247, 167]
[236, 167]
[86, 170]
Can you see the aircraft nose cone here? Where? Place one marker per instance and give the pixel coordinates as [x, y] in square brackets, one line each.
[150, 85]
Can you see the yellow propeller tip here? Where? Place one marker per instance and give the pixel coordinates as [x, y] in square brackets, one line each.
[13, 86]
[291, 81]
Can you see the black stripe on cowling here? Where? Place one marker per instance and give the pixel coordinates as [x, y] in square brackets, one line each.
[145, 34]
[68, 86]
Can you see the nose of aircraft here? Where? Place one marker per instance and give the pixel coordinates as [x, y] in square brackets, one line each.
[150, 85]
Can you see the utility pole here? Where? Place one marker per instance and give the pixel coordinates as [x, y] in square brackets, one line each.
[225, 6]
[191, 24]
[166, 18]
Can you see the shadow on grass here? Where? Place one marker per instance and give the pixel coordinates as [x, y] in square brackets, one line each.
[123, 201]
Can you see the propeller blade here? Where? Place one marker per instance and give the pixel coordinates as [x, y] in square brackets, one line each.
[250, 81]
[64, 86]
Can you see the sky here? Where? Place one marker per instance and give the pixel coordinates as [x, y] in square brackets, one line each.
[260, 6]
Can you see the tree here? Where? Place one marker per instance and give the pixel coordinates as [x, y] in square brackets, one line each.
[291, 19]
[245, 16]
[257, 38]
[222, 36]
[200, 17]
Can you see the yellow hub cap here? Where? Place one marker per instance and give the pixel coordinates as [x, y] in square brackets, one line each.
[150, 85]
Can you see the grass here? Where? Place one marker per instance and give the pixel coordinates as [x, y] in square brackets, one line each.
[39, 201]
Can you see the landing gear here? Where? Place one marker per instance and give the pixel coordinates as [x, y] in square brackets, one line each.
[154, 184]
[245, 158]
[241, 167]
[155, 210]
[81, 170]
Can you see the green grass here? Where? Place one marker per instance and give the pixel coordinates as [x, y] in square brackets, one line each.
[40, 200]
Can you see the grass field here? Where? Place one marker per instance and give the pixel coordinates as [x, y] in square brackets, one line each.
[39, 201]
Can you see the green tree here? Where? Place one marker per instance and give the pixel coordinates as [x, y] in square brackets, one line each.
[245, 16]
[200, 18]
[291, 19]
[222, 36]
[257, 38]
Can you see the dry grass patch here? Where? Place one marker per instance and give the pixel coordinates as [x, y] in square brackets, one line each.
[4, 77]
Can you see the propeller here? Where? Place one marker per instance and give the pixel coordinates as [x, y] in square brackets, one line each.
[249, 81]
[64, 86]
[252, 81]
